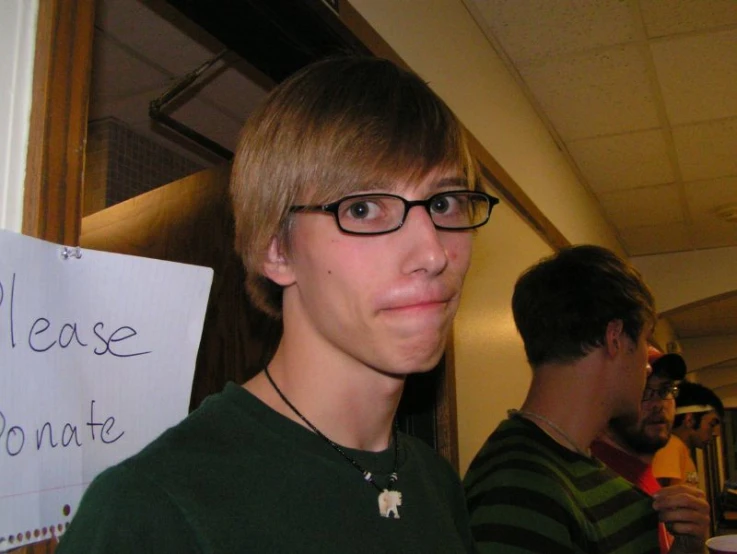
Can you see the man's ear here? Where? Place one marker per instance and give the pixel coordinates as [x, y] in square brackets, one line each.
[613, 337]
[277, 266]
[689, 421]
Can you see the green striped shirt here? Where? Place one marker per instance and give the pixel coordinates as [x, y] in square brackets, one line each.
[526, 493]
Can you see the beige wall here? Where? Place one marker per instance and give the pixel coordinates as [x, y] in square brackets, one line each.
[492, 374]
[440, 41]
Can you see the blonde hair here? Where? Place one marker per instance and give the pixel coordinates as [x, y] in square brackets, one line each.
[336, 127]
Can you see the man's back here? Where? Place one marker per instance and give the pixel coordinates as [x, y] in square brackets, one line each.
[527, 491]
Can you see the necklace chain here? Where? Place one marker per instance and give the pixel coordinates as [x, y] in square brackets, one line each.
[367, 475]
[555, 427]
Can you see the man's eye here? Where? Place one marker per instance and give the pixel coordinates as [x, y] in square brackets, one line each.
[441, 204]
[363, 209]
[359, 210]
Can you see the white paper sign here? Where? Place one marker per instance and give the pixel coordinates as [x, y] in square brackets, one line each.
[97, 357]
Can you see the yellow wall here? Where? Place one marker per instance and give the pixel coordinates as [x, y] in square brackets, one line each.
[440, 41]
[492, 374]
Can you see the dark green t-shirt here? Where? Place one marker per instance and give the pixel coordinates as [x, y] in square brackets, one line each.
[235, 476]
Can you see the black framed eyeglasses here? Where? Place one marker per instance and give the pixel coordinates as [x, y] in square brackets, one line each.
[664, 393]
[378, 214]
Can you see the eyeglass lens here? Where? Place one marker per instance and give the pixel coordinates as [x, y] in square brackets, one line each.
[379, 213]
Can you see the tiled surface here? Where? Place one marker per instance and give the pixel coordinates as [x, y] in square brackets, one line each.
[641, 93]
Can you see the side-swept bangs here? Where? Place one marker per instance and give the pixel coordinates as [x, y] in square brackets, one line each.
[337, 127]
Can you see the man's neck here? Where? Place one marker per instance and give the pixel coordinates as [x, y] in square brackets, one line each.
[554, 390]
[354, 407]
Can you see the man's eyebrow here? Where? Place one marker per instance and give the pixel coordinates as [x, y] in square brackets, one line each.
[451, 182]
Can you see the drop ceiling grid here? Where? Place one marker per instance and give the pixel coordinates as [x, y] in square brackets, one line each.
[540, 29]
[647, 205]
[585, 64]
[698, 82]
[596, 93]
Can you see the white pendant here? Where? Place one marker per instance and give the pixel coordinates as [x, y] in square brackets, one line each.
[389, 502]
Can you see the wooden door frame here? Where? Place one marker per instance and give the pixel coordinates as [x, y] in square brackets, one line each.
[52, 204]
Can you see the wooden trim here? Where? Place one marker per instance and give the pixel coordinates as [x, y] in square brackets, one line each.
[445, 402]
[52, 207]
[52, 203]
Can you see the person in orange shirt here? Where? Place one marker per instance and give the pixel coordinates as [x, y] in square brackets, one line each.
[698, 417]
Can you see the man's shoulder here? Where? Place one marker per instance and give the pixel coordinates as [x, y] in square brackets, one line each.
[513, 439]
[513, 452]
[519, 454]
[535, 492]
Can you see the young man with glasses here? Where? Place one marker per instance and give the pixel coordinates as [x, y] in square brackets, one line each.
[698, 417]
[354, 196]
[585, 317]
[628, 445]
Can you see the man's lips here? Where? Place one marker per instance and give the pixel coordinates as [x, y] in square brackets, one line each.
[420, 305]
[419, 302]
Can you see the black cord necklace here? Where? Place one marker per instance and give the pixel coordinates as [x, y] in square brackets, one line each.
[389, 499]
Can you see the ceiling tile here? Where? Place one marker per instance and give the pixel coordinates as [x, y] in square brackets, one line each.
[624, 161]
[656, 239]
[668, 18]
[644, 206]
[707, 150]
[705, 198]
[713, 234]
[594, 94]
[698, 80]
[557, 27]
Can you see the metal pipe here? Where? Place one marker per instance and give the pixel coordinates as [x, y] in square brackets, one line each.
[157, 105]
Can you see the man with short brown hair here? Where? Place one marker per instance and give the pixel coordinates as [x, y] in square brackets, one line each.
[585, 317]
